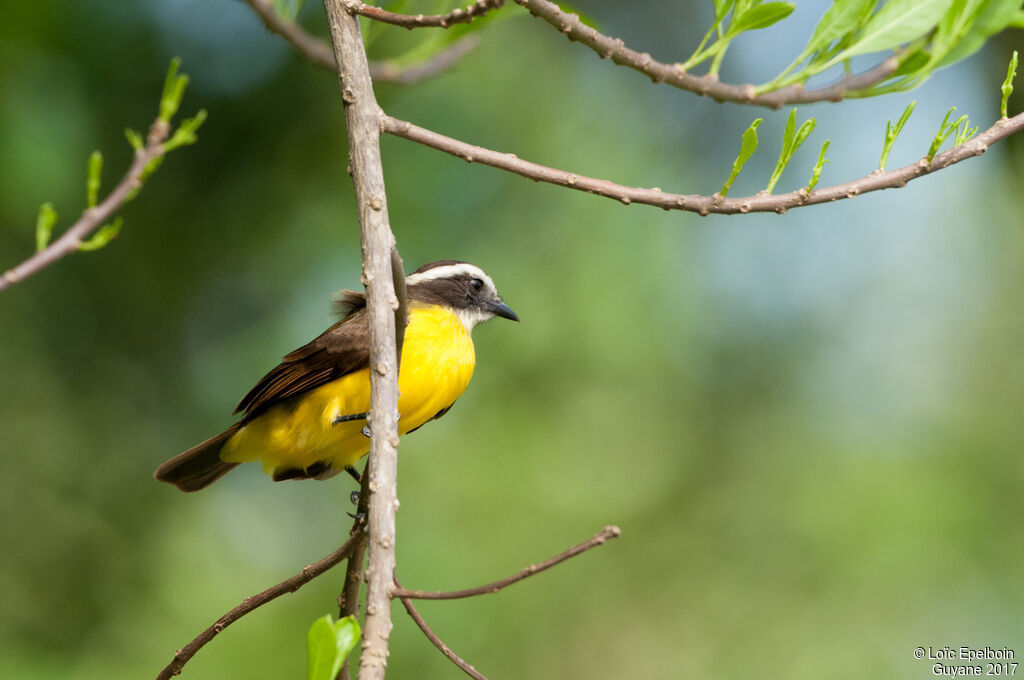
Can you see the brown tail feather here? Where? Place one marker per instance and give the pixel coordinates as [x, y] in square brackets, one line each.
[198, 467]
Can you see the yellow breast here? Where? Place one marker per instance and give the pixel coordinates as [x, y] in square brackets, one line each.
[437, 364]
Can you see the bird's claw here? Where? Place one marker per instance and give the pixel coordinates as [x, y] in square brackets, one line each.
[339, 419]
[366, 428]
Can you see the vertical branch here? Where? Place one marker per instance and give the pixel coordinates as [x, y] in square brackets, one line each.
[348, 601]
[363, 116]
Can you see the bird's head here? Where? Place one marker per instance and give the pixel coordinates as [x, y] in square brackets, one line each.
[462, 286]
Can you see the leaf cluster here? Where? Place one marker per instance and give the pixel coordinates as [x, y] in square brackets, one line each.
[960, 126]
[922, 35]
[185, 134]
[792, 138]
[733, 18]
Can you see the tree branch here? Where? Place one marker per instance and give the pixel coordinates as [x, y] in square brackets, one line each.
[389, 71]
[706, 86]
[456, 16]
[348, 601]
[597, 539]
[363, 116]
[704, 205]
[432, 636]
[320, 53]
[92, 218]
[252, 602]
[311, 48]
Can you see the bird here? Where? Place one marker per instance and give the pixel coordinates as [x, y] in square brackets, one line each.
[307, 417]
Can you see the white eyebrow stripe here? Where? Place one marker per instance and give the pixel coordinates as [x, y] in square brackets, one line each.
[450, 271]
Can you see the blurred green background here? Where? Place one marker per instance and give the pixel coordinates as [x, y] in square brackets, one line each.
[808, 427]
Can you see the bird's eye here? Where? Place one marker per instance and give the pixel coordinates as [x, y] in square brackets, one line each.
[477, 284]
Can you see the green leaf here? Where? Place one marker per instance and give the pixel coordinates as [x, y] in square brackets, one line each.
[816, 173]
[135, 139]
[747, 147]
[186, 132]
[174, 90]
[945, 130]
[288, 9]
[791, 141]
[152, 166]
[892, 132]
[993, 17]
[44, 225]
[722, 7]
[964, 133]
[328, 644]
[955, 23]
[92, 184]
[842, 17]
[759, 16]
[741, 6]
[102, 237]
[806, 128]
[1007, 86]
[897, 22]
[912, 62]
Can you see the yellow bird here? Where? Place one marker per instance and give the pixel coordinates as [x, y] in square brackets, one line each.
[306, 418]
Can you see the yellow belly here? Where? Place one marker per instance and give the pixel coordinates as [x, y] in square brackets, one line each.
[437, 364]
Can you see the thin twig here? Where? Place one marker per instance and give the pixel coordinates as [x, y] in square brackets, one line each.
[311, 48]
[362, 116]
[597, 539]
[319, 51]
[706, 86]
[410, 21]
[389, 71]
[92, 218]
[705, 205]
[432, 636]
[348, 601]
[252, 602]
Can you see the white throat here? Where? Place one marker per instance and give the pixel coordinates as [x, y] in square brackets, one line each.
[471, 317]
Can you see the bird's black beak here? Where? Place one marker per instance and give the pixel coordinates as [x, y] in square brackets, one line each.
[499, 308]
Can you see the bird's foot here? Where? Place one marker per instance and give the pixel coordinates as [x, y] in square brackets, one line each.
[366, 428]
[359, 516]
[338, 419]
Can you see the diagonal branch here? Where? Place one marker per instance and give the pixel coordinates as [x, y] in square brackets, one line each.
[290, 585]
[311, 48]
[319, 52]
[390, 71]
[410, 21]
[705, 205]
[92, 218]
[706, 86]
[432, 636]
[600, 538]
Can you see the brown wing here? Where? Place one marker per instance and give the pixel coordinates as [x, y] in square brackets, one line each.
[341, 349]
